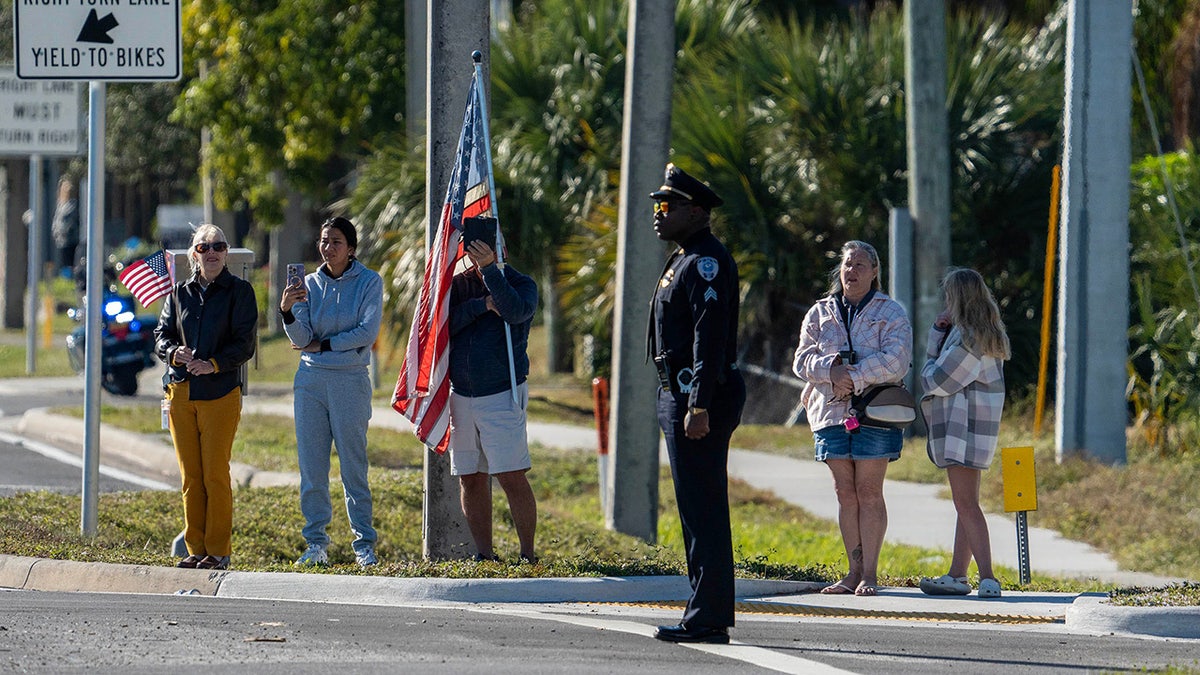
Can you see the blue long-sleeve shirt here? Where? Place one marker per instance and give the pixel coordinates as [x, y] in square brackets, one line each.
[478, 353]
[342, 313]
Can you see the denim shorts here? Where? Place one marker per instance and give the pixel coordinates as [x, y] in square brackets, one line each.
[869, 443]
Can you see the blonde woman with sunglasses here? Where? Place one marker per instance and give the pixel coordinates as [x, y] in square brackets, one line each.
[206, 331]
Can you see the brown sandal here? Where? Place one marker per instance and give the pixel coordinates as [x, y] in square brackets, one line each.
[191, 562]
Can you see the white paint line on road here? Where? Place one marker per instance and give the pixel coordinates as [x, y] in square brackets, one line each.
[739, 651]
[51, 452]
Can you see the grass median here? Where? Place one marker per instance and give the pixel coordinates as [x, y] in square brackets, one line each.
[772, 539]
[1145, 514]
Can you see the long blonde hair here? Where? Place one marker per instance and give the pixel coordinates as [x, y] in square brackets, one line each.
[974, 311]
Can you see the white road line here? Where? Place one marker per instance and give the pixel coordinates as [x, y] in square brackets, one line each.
[739, 651]
[51, 452]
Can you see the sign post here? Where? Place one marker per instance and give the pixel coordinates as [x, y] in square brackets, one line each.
[59, 40]
[1020, 495]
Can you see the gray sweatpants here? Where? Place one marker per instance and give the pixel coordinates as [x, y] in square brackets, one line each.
[333, 408]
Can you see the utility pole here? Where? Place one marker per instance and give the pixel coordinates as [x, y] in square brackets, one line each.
[1093, 295]
[928, 160]
[632, 500]
[456, 28]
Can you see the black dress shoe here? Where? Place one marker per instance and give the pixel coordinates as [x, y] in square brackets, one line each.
[705, 634]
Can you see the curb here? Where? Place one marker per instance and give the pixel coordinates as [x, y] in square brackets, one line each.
[41, 574]
[144, 450]
[1092, 613]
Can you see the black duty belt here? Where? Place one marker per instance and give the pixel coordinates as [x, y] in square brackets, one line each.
[678, 377]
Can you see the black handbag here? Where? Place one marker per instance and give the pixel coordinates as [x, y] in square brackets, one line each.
[885, 405]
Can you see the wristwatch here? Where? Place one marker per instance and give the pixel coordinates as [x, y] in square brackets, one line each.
[697, 411]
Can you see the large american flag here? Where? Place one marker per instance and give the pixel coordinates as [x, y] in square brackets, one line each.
[147, 279]
[423, 387]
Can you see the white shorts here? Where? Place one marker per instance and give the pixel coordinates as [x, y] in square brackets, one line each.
[487, 433]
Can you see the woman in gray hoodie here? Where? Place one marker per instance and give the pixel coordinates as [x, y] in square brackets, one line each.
[332, 318]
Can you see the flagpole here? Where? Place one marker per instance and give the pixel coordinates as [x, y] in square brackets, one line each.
[481, 94]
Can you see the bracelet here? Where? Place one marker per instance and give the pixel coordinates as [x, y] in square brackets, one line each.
[697, 411]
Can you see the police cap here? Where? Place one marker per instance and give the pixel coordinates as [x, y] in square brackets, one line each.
[677, 184]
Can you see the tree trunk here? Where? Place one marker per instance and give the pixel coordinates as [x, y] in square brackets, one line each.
[559, 347]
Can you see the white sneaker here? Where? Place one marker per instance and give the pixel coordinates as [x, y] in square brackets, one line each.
[314, 555]
[989, 588]
[946, 585]
[366, 558]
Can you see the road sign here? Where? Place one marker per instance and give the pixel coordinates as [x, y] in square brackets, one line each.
[39, 118]
[116, 40]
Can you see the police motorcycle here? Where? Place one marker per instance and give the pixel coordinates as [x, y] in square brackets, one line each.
[128, 340]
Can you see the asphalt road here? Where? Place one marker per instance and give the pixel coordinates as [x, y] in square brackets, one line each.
[29, 465]
[42, 632]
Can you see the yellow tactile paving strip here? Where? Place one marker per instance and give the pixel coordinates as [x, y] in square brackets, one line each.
[788, 609]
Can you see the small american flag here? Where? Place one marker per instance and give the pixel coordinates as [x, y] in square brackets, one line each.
[147, 279]
[423, 387]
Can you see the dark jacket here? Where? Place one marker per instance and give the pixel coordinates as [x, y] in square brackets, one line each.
[694, 317]
[478, 349]
[219, 323]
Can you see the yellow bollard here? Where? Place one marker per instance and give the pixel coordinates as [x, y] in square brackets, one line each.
[1020, 495]
[47, 321]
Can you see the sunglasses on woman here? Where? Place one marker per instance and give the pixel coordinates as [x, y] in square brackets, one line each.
[218, 246]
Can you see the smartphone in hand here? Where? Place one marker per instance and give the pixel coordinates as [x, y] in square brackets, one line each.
[295, 274]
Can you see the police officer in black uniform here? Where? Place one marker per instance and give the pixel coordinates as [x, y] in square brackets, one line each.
[693, 341]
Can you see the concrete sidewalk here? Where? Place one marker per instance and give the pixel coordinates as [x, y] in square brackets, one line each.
[918, 516]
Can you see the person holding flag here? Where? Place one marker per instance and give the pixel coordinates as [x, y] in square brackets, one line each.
[489, 302]
[208, 328]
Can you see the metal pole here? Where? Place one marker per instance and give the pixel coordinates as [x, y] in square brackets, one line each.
[1023, 545]
[481, 92]
[34, 251]
[94, 312]
[1047, 298]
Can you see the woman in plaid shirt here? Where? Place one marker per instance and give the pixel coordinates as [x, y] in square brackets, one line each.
[963, 381]
[853, 339]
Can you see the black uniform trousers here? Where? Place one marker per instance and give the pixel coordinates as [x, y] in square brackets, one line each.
[699, 469]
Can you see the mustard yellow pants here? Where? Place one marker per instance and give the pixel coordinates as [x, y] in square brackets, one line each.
[203, 434]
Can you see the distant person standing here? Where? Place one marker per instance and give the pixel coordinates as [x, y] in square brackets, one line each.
[487, 418]
[332, 317]
[693, 341]
[206, 331]
[65, 227]
[963, 381]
